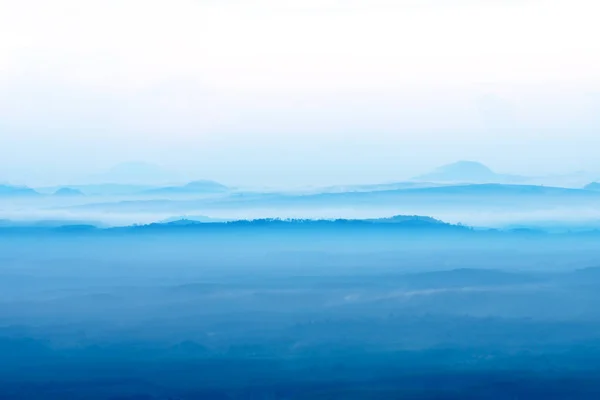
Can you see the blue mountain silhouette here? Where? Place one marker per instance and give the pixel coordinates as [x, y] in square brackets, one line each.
[468, 172]
[17, 191]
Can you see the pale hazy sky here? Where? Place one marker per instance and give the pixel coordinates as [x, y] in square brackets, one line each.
[306, 91]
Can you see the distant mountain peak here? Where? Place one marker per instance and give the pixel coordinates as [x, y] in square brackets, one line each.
[408, 218]
[465, 169]
[467, 172]
[466, 166]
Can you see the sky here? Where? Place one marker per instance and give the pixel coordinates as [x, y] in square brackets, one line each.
[307, 92]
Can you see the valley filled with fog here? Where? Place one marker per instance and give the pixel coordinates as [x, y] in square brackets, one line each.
[409, 306]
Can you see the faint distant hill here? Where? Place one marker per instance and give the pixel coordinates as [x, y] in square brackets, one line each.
[467, 172]
[399, 222]
[196, 187]
[17, 191]
[68, 192]
[139, 173]
[191, 219]
[406, 219]
[593, 186]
